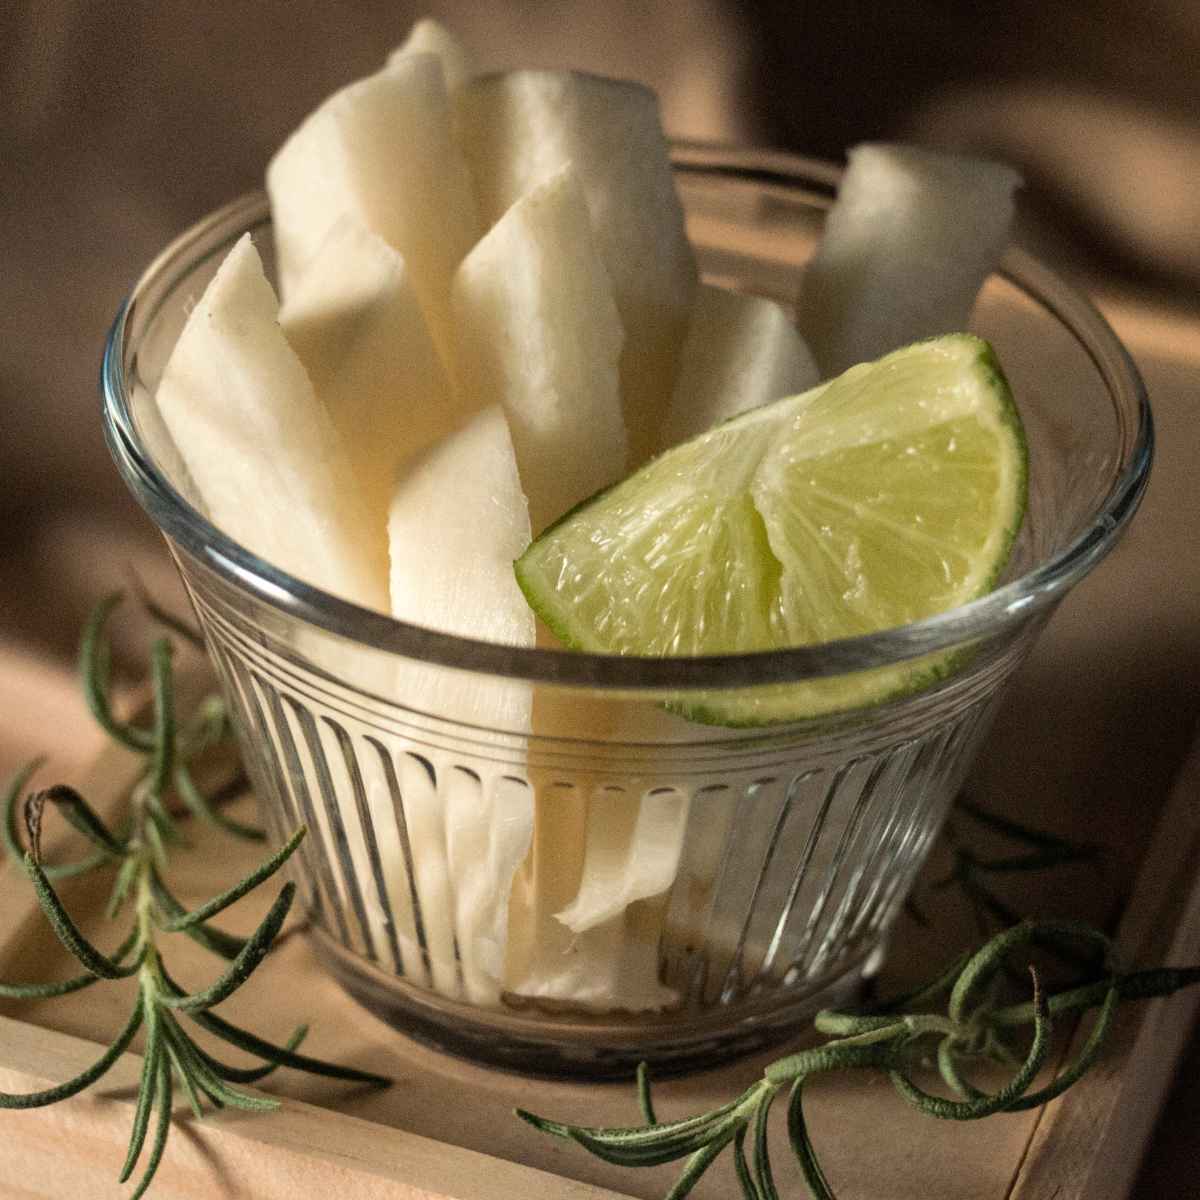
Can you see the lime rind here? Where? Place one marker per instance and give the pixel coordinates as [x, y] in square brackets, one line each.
[891, 493]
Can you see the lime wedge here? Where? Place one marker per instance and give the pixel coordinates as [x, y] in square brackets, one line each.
[883, 496]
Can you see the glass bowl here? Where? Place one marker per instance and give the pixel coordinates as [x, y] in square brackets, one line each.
[621, 885]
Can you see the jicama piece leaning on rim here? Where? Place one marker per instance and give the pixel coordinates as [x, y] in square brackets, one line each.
[741, 351]
[381, 151]
[269, 466]
[355, 322]
[519, 127]
[257, 443]
[906, 247]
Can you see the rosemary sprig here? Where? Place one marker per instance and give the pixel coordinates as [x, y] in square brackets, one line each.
[137, 849]
[897, 1038]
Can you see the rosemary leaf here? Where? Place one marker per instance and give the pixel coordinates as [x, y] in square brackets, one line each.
[802, 1145]
[210, 1082]
[666, 1148]
[200, 808]
[208, 726]
[162, 1128]
[638, 1135]
[185, 1080]
[46, 991]
[185, 1054]
[251, 1074]
[1137, 985]
[1088, 1053]
[835, 1056]
[763, 1175]
[244, 965]
[259, 875]
[147, 1087]
[697, 1164]
[947, 1061]
[163, 759]
[167, 620]
[93, 667]
[645, 1100]
[991, 957]
[78, 813]
[152, 831]
[12, 844]
[85, 1078]
[742, 1168]
[16, 785]
[252, 1044]
[212, 938]
[68, 932]
[121, 885]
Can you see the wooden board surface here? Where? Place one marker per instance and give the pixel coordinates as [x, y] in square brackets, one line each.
[446, 1130]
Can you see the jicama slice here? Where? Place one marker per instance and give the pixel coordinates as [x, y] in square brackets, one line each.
[741, 351]
[632, 853]
[356, 324]
[161, 445]
[539, 334]
[458, 520]
[611, 967]
[611, 964]
[906, 248]
[428, 36]
[519, 127]
[589, 905]
[381, 151]
[489, 822]
[256, 442]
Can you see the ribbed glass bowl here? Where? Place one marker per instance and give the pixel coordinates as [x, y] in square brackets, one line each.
[724, 882]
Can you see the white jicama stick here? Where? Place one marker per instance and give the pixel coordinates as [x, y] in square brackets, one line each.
[540, 335]
[381, 151]
[428, 36]
[632, 853]
[613, 966]
[489, 822]
[589, 905]
[458, 520]
[163, 451]
[356, 324]
[519, 127]
[906, 248]
[741, 351]
[256, 442]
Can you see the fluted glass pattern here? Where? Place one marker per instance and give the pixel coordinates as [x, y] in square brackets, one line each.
[609, 883]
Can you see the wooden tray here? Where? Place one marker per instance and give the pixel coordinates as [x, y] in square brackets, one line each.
[445, 1130]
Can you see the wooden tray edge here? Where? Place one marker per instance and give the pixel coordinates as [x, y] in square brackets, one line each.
[1089, 1144]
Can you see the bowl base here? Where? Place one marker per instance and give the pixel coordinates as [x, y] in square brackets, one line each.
[579, 1046]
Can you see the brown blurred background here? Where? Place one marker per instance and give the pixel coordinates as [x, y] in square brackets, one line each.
[120, 124]
[123, 123]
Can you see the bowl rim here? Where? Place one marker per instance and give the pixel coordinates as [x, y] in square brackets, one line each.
[1007, 606]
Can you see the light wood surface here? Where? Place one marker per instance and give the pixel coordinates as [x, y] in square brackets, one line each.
[445, 1129]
